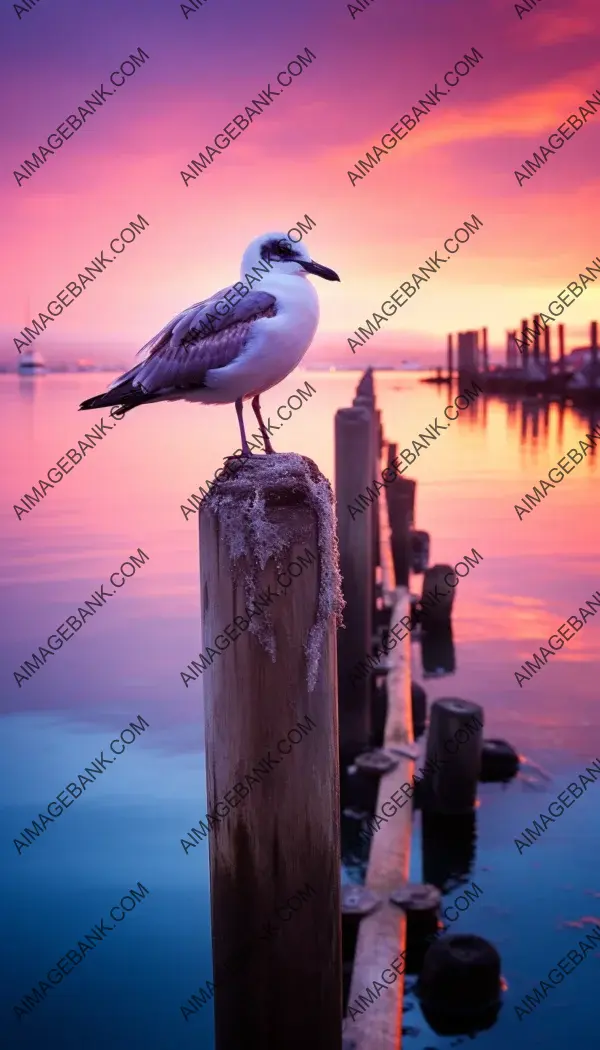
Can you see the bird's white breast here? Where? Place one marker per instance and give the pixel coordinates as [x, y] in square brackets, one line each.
[275, 344]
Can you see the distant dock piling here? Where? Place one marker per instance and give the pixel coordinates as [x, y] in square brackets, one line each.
[278, 851]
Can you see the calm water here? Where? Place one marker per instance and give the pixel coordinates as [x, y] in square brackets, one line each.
[127, 826]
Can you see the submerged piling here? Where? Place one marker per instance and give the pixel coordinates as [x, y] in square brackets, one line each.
[272, 755]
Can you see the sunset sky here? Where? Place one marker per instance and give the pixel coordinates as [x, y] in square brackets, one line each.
[294, 159]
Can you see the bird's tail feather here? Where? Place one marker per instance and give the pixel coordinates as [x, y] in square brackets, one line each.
[120, 392]
[102, 400]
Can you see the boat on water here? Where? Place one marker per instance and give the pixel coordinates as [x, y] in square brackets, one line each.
[31, 363]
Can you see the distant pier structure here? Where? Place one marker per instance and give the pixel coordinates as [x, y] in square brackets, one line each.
[530, 367]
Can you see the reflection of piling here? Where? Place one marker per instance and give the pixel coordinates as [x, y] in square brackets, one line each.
[453, 737]
[448, 848]
[437, 650]
[281, 839]
[353, 430]
[400, 497]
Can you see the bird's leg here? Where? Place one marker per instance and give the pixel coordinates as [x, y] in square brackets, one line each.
[239, 407]
[265, 433]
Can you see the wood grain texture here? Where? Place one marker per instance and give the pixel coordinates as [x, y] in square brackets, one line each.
[285, 993]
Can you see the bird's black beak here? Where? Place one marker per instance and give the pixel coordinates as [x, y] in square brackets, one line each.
[318, 270]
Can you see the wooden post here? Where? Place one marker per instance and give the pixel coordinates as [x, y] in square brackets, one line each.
[419, 550]
[436, 609]
[455, 740]
[400, 497]
[536, 338]
[437, 649]
[366, 385]
[381, 936]
[486, 364]
[450, 367]
[594, 352]
[367, 403]
[547, 352]
[525, 343]
[561, 349]
[353, 431]
[277, 853]
[511, 349]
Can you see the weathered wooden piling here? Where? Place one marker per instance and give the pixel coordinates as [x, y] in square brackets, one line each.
[356, 903]
[400, 496]
[547, 352]
[450, 355]
[419, 550]
[366, 384]
[367, 403]
[277, 852]
[421, 904]
[353, 434]
[436, 605]
[499, 761]
[525, 343]
[382, 934]
[460, 982]
[418, 698]
[536, 338]
[594, 351]
[484, 350]
[456, 737]
[438, 655]
[561, 349]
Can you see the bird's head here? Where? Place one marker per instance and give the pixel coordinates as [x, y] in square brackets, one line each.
[283, 256]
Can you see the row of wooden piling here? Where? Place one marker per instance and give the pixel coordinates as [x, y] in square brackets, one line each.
[535, 340]
[381, 715]
[291, 666]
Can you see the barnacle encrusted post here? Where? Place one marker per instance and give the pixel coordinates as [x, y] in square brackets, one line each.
[271, 603]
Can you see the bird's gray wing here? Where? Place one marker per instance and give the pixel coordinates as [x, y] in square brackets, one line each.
[195, 341]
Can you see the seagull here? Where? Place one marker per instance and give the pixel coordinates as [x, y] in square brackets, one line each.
[257, 340]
